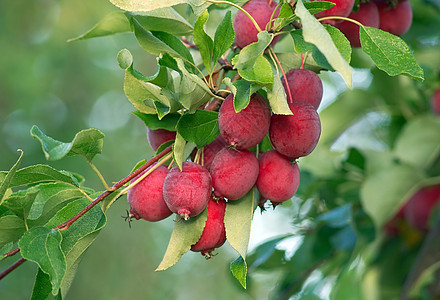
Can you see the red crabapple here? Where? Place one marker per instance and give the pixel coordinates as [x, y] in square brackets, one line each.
[214, 233]
[146, 198]
[342, 8]
[435, 102]
[247, 128]
[396, 20]
[187, 192]
[296, 135]
[245, 31]
[419, 207]
[210, 151]
[157, 137]
[367, 15]
[278, 178]
[233, 173]
[304, 85]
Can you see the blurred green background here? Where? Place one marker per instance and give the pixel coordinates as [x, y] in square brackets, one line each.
[66, 87]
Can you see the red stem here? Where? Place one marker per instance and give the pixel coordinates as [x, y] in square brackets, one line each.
[11, 253]
[97, 200]
[302, 60]
[12, 268]
[284, 77]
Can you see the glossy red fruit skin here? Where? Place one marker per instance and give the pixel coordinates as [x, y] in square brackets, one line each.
[214, 233]
[435, 102]
[210, 151]
[342, 8]
[146, 198]
[187, 192]
[296, 135]
[419, 207]
[396, 20]
[278, 178]
[233, 173]
[304, 85]
[367, 15]
[245, 31]
[157, 137]
[247, 128]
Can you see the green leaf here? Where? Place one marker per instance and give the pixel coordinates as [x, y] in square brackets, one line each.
[43, 246]
[203, 41]
[249, 54]
[193, 91]
[85, 225]
[277, 98]
[86, 143]
[238, 268]
[156, 42]
[114, 22]
[41, 173]
[125, 59]
[224, 37]
[299, 44]
[285, 16]
[8, 247]
[168, 122]
[198, 6]
[350, 106]
[51, 198]
[316, 34]
[163, 19]
[79, 236]
[185, 234]
[6, 181]
[143, 94]
[200, 128]
[389, 52]
[242, 94]
[341, 43]
[263, 252]
[261, 73]
[419, 142]
[175, 44]
[162, 78]
[238, 219]
[20, 203]
[292, 60]
[181, 150]
[11, 229]
[384, 192]
[315, 7]
[43, 287]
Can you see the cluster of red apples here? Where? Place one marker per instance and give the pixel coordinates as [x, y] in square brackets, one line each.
[229, 167]
[393, 16]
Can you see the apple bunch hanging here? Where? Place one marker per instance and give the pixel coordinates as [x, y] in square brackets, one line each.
[226, 170]
[241, 127]
[230, 111]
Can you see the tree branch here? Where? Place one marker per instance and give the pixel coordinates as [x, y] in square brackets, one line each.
[97, 200]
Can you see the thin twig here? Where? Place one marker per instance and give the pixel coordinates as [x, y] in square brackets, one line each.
[12, 268]
[11, 253]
